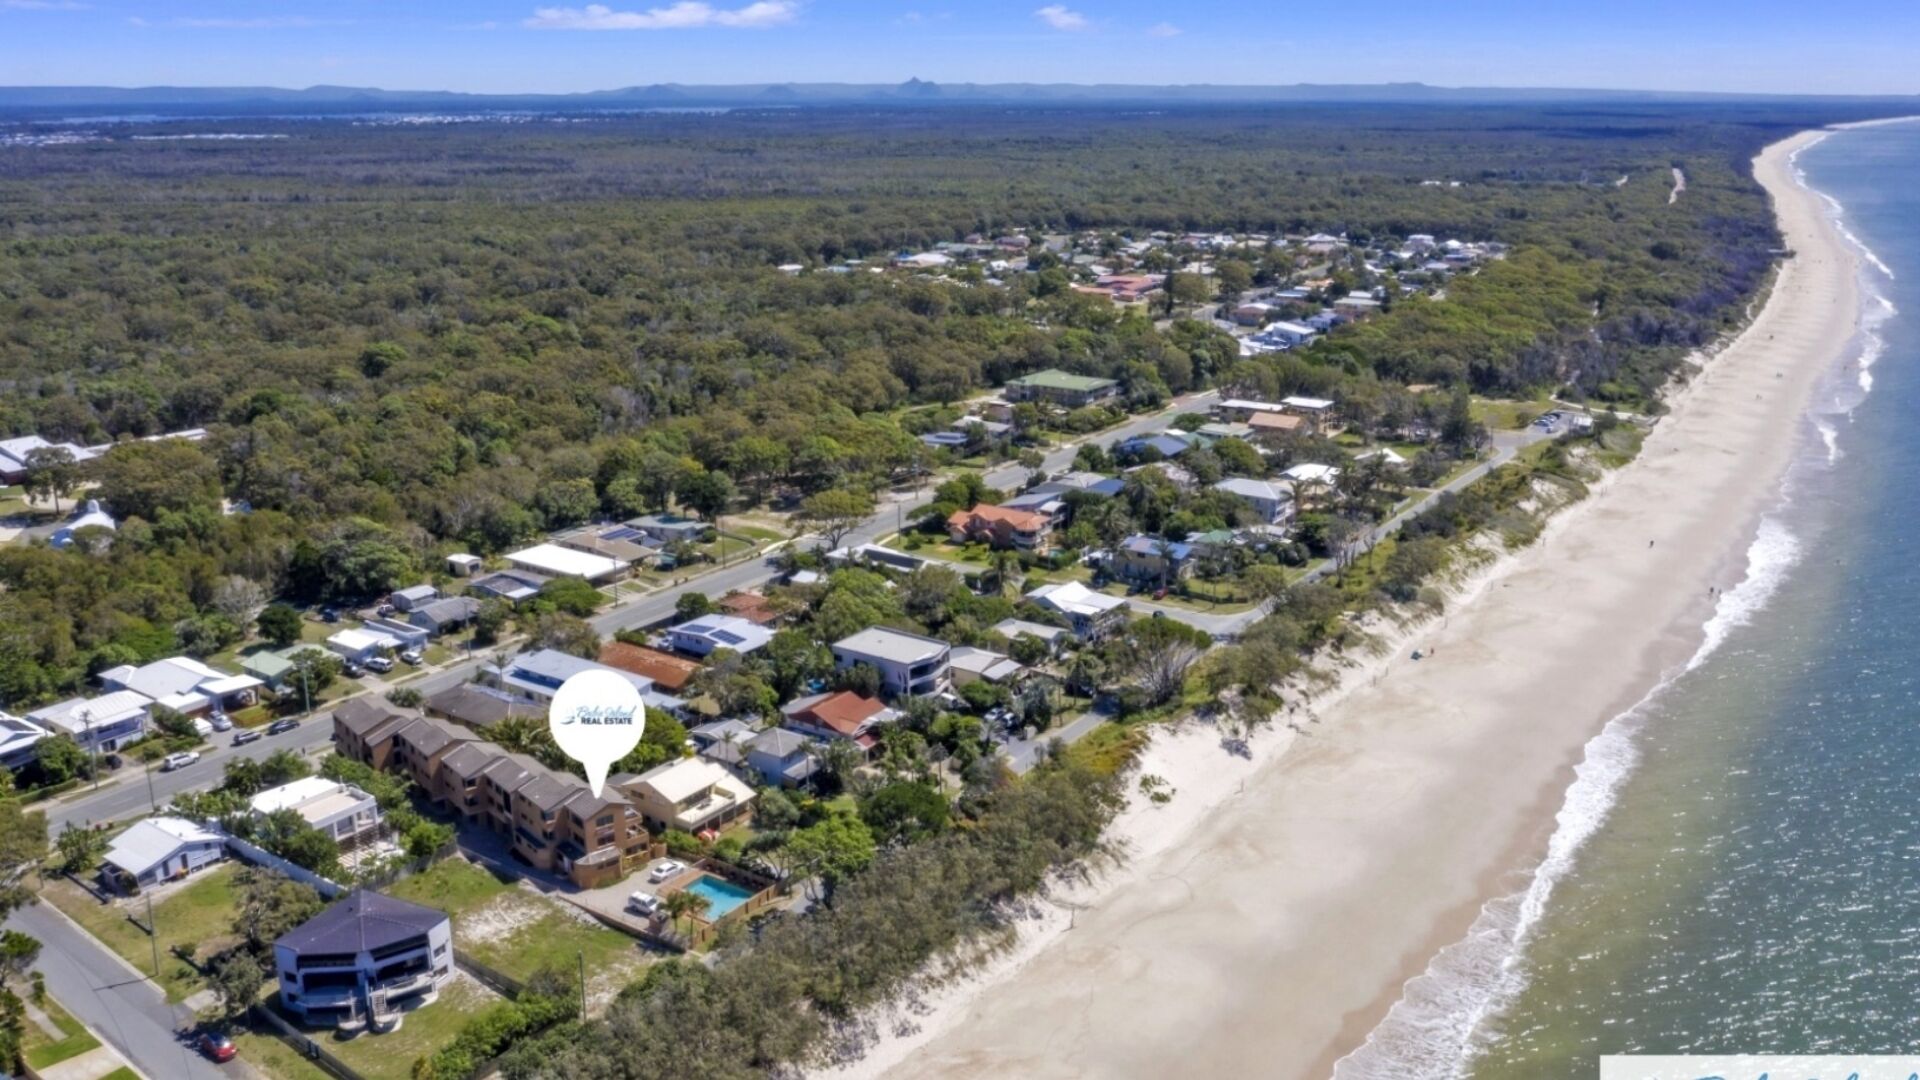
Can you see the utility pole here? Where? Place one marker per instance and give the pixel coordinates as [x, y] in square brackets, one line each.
[583, 985]
[93, 747]
[153, 933]
[153, 800]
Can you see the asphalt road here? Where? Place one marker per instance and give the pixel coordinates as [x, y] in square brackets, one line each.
[123, 1008]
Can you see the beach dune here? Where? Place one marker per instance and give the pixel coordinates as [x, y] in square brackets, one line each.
[1272, 937]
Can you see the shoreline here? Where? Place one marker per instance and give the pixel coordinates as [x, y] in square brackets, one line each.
[1268, 929]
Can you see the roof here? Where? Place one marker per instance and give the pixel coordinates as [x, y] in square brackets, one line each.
[105, 709]
[468, 760]
[451, 609]
[147, 842]
[725, 632]
[314, 798]
[843, 711]
[1073, 598]
[985, 663]
[362, 714]
[166, 678]
[566, 562]
[896, 646]
[671, 522]
[1013, 628]
[779, 743]
[667, 671]
[362, 640]
[363, 922]
[16, 732]
[1311, 474]
[1310, 403]
[267, 665]
[1021, 520]
[546, 669]
[417, 592]
[1267, 421]
[478, 706]
[512, 584]
[1249, 405]
[683, 778]
[431, 736]
[1155, 546]
[1245, 488]
[1055, 379]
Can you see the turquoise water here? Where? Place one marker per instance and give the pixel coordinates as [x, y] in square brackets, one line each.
[721, 895]
[1735, 867]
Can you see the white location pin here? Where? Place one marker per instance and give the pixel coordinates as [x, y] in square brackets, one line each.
[597, 718]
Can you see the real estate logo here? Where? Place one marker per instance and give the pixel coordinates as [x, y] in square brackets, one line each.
[597, 718]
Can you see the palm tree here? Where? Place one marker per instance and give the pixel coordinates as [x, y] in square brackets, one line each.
[1004, 569]
[684, 905]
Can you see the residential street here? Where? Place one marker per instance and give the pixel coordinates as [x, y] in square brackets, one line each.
[123, 1008]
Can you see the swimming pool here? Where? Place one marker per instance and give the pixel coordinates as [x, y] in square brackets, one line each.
[721, 895]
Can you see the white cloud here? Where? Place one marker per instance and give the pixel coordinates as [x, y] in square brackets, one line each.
[1163, 30]
[685, 15]
[1058, 17]
[44, 5]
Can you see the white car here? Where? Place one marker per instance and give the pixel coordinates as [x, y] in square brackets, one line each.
[178, 761]
[644, 903]
[414, 657]
[380, 664]
[666, 869]
[222, 722]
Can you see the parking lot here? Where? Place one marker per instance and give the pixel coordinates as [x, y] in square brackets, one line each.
[610, 901]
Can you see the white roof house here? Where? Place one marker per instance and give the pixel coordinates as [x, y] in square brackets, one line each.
[18, 740]
[704, 635]
[1387, 456]
[1013, 628]
[1307, 404]
[360, 644]
[1253, 490]
[180, 683]
[337, 809]
[970, 663]
[107, 719]
[1312, 474]
[690, 794]
[162, 847]
[90, 516]
[1074, 598]
[566, 562]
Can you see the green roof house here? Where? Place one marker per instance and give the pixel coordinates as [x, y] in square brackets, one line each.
[1060, 388]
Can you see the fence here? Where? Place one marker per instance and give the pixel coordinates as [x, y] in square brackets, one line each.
[492, 978]
[301, 1044]
[261, 857]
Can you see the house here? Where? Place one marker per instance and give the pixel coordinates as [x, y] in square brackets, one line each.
[1287, 335]
[360, 645]
[363, 729]
[89, 516]
[1059, 388]
[16, 456]
[1387, 456]
[512, 586]
[448, 613]
[1016, 628]
[751, 606]
[622, 543]
[702, 636]
[690, 794]
[1304, 475]
[1167, 444]
[479, 707]
[1269, 428]
[19, 741]
[364, 962]
[947, 440]
[1316, 411]
[909, 665]
[463, 565]
[1000, 527]
[536, 676]
[1271, 503]
[669, 672]
[417, 747]
[1244, 409]
[345, 813]
[1129, 288]
[1219, 429]
[669, 528]
[101, 724]
[1090, 614]
[1051, 506]
[983, 665]
[556, 561]
[783, 758]
[841, 714]
[724, 741]
[1151, 562]
[271, 668]
[1092, 483]
[1252, 314]
[159, 849]
[184, 685]
[412, 597]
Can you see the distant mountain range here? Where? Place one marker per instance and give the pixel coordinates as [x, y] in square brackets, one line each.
[76, 100]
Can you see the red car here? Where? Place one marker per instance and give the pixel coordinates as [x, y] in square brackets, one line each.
[217, 1046]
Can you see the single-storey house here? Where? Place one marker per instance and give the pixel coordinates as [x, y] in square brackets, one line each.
[708, 633]
[412, 597]
[1092, 615]
[983, 665]
[669, 672]
[437, 617]
[512, 586]
[536, 676]
[622, 542]
[668, 528]
[359, 646]
[751, 606]
[478, 707]
[724, 741]
[556, 561]
[159, 849]
[184, 685]
[1016, 628]
[783, 758]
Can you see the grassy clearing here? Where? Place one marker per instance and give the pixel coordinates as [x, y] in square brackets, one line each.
[426, 1029]
[1108, 748]
[267, 1054]
[198, 916]
[1509, 415]
[41, 1050]
[124, 1072]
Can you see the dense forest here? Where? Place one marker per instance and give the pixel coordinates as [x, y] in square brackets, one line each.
[406, 339]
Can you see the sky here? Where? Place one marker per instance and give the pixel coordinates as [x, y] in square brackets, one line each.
[517, 46]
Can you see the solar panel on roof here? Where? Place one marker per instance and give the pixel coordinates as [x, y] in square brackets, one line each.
[621, 532]
[728, 636]
[696, 628]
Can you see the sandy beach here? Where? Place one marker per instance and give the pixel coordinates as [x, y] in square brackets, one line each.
[1275, 909]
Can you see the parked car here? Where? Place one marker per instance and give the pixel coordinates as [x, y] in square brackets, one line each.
[217, 1046]
[668, 868]
[380, 664]
[279, 727]
[178, 761]
[644, 903]
[352, 670]
[245, 736]
[384, 610]
[221, 722]
[330, 614]
[414, 657]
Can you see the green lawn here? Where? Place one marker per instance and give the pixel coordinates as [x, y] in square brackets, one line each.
[198, 916]
[518, 932]
[267, 1054]
[424, 1030]
[40, 1050]
[1508, 415]
[124, 1072]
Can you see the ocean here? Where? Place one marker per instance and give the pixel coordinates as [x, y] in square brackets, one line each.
[1735, 866]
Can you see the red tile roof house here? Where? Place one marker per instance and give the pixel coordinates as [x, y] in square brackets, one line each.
[839, 715]
[1000, 527]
